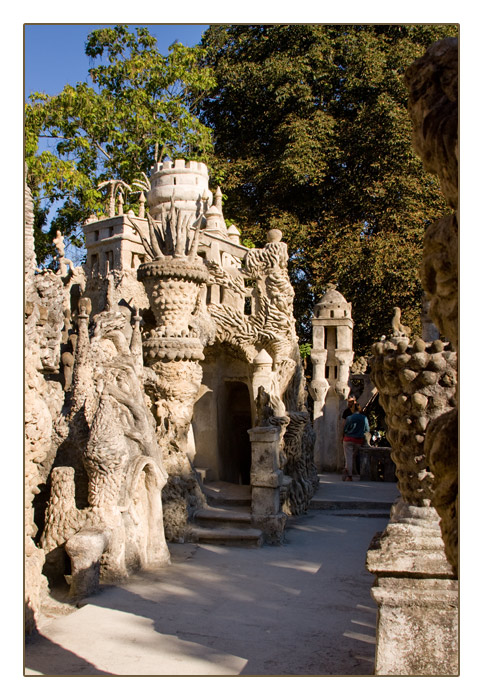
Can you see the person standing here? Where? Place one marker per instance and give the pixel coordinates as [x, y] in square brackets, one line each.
[345, 414]
[355, 427]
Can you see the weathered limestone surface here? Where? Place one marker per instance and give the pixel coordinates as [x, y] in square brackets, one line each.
[417, 596]
[266, 480]
[415, 586]
[93, 468]
[433, 105]
[225, 317]
[44, 300]
[415, 560]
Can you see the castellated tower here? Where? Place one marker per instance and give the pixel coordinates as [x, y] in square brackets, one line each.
[186, 183]
[332, 356]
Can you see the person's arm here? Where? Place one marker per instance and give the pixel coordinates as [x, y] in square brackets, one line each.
[367, 432]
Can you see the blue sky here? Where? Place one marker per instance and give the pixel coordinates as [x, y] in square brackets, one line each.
[54, 53]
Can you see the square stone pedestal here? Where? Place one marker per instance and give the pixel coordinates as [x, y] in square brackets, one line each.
[417, 596]
[266, 478]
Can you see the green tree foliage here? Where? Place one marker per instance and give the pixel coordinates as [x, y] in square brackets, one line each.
[312, 136]
[135, 111]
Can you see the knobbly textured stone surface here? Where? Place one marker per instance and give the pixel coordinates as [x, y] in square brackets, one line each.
[416, 588]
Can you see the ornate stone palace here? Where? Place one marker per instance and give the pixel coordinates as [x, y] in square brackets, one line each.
[170, 360]
[170, 357]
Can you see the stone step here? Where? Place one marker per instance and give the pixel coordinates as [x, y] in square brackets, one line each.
[231, 537]
[362, 514]
[319, 504]
[219, 493]
[223, 517]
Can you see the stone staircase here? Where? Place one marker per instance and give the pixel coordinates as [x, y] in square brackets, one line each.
[227, 518]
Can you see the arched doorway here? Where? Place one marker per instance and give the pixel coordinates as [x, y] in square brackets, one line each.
[234, 419]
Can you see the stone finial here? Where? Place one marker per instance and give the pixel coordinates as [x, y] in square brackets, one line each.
[142, 201]
[218, 200]
[274, 235]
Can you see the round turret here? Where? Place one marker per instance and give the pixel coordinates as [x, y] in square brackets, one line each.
[186, 180]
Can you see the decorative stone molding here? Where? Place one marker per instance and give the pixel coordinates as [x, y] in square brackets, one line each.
[416, 594]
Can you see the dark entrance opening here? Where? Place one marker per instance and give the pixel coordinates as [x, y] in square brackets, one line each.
[234, 421]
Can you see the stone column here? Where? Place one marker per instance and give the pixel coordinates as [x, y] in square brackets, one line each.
[432, 83]
[262, 376]
[417, 596]
[266, 479]
[415, 589]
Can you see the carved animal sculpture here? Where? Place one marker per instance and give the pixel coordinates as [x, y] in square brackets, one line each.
[397, 327]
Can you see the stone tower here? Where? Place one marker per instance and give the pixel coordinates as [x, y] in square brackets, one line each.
[186, 182]
[332, 357]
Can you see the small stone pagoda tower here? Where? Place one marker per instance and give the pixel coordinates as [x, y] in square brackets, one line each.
[332, 356]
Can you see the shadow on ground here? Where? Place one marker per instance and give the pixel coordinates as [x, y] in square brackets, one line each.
[301, 609]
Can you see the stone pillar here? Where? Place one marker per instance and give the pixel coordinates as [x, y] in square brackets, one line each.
[266, 479]
[417, 596]
[432, 83]
[262, 375]
[416, 589]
